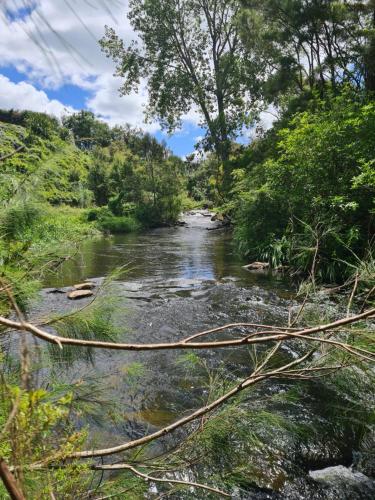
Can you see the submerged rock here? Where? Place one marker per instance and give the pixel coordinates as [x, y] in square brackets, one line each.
[257, 266]
[80, 294]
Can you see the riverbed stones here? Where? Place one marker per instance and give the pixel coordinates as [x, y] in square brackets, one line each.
[80, 294]
[257, 266]
[84, 286]
[345, 477]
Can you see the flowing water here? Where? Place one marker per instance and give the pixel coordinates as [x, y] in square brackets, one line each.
[177, 281]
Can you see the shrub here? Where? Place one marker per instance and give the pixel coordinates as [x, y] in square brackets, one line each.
[18, 221]
[118, 225]
[318, 175]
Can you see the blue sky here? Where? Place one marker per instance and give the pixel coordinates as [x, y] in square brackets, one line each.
[58, 81]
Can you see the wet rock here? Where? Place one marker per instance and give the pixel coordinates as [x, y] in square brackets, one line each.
[56, 290]
[257, 266]
[84, 286]
[217, 217]
[341, 476]
[80, 294]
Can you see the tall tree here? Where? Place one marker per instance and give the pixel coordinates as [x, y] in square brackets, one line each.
[311, 44]
[192, 57]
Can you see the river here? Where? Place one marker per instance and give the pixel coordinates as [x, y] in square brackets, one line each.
[176, 282]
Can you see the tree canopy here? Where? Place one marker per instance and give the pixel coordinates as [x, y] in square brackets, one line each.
[192, 57]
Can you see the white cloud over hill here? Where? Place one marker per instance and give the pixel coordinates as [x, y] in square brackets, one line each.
[57, 44]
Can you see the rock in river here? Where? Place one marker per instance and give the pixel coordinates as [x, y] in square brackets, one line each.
[80, 294]
[257, 266]
[342, 475]
[84, 286]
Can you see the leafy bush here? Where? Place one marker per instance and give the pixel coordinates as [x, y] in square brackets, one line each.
[315, 188]
[118, 225]
[18, 221]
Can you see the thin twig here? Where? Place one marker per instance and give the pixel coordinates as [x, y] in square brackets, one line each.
[153, 479]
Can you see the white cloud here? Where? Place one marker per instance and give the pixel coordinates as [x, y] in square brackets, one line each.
[54, 48]
[114, 109]
[22, 95]
[268, 117]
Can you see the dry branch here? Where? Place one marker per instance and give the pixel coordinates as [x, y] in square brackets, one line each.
[9, 155]
[273, 336]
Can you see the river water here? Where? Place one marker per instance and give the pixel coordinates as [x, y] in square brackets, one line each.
[179, 281]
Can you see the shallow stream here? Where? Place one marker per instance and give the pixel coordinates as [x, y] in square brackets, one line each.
[179, 281]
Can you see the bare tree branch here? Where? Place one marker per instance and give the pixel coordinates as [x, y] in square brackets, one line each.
[183, 344]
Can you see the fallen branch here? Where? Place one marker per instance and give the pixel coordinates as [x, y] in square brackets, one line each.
[183, 344]
[251, 380]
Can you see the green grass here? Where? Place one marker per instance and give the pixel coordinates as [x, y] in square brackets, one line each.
[118, 225]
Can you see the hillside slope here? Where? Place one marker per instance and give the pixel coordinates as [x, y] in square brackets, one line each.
[49, 168]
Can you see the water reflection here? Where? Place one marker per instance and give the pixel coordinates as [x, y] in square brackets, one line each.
[178, 281]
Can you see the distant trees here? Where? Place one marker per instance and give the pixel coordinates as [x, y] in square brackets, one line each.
[129, 168]
[87, 129]
[150, 187]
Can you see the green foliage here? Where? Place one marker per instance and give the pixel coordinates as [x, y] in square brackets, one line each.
[206, 67]
[41, 125]
[35, 238]
[138, 191]
[87, 130]
[118, 224]
[203, 179]
[314, 190]
[18, 221]
[93, 323]
[125, 485]
[310, 46]
[40, 429]
[48, 168]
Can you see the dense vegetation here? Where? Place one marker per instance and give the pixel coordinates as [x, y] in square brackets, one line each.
[83, 163]
[300, 195]
[307, 191]
[306, 183]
